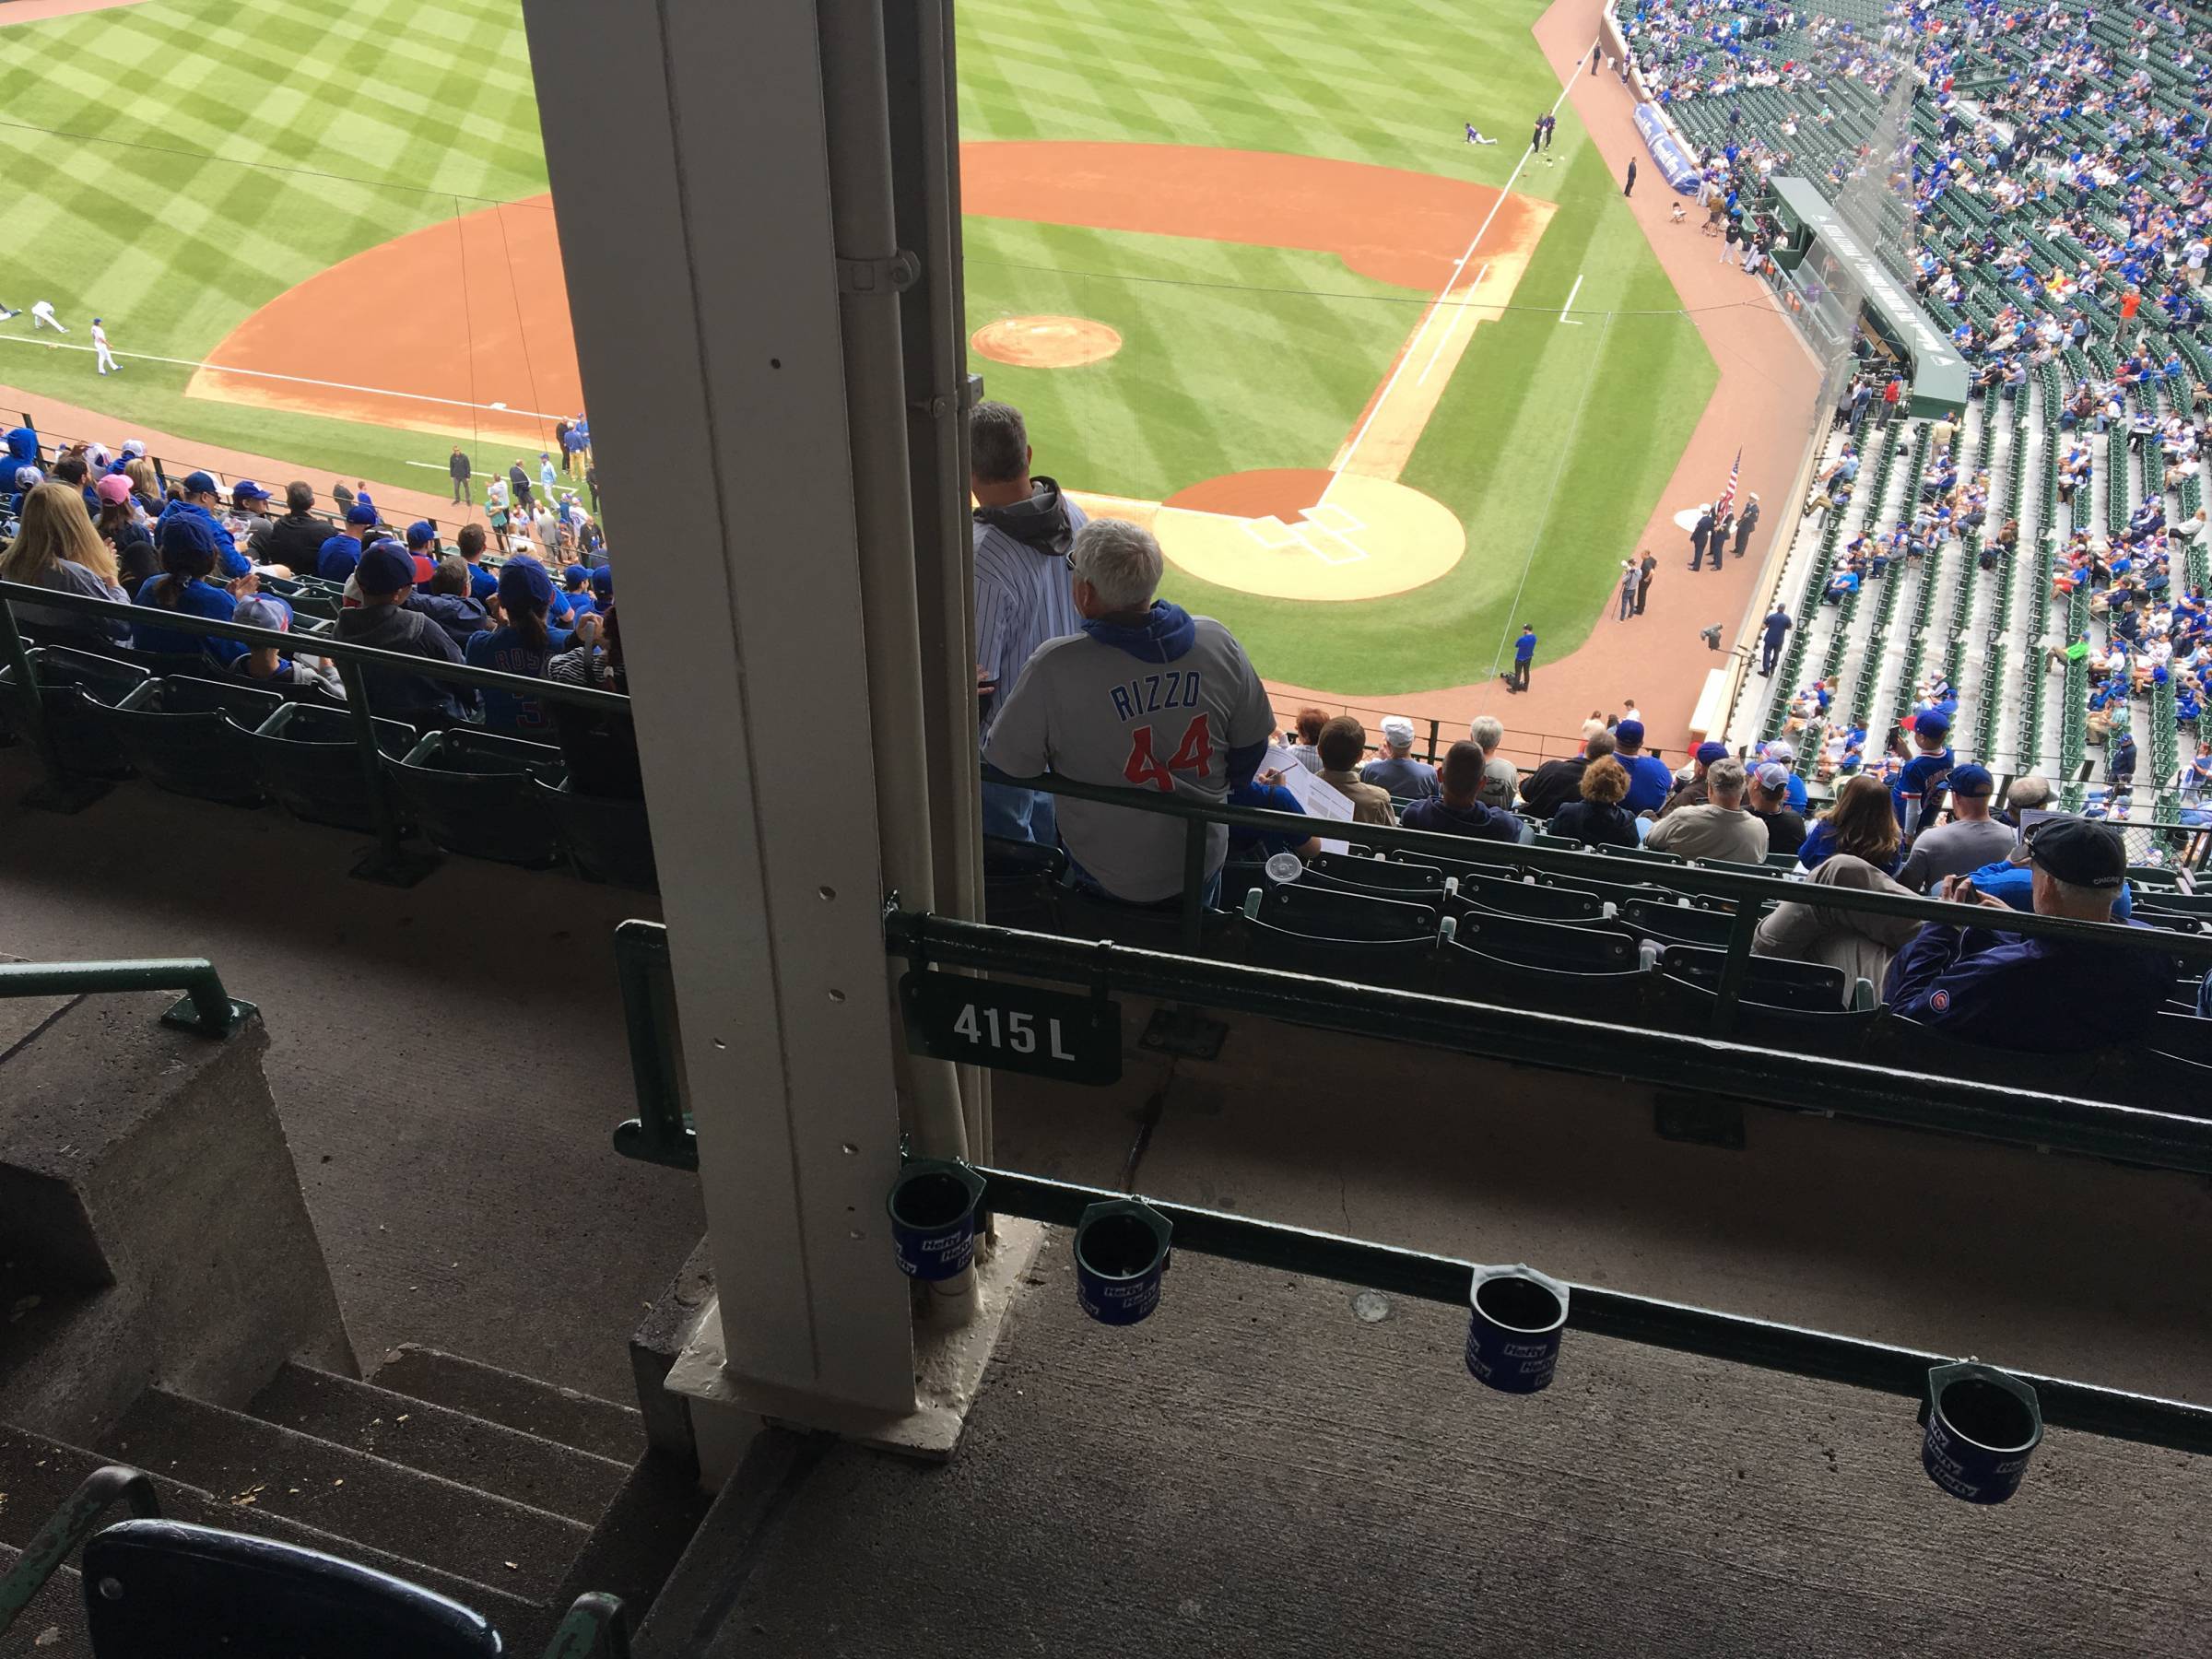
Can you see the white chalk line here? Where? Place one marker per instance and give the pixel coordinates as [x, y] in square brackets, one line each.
[297, 379]
[1452, 327]
[1571, 294]
[1414, 345]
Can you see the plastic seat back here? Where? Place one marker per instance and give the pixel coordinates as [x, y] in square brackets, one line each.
[1776, 982]
[1679, 923]
[70, 682]
[606, 841]
[194, 736]
[1405, 964]
[1327, 912]
[1377, 874]
[170, 1590]
[476, 794]
[307, 760]
[1583, 948]
[1528, 898]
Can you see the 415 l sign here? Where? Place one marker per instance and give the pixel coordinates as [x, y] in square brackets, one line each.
[1013, 1027]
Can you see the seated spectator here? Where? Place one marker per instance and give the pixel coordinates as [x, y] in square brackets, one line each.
[1650, 779]
[56, 546]
[1860, 944]
[482, 583]
[2031, 792]
[603, 588]
[189, 554]
[1718, 827]
[447, 601]
[1556, 783]
[123, 528]
[2005, 990]
[522, 644]
[1456, 808]
[422, 547]
[1598, 818]
[1342, 746]
[1970, 840]
[1769, 804]
[385, 578]
[1690, 791]
[1265, 792]
[267, 666]
[1501, 777]
[1861, 823]
[295, 539]
[335, 559]
[1096, 707]
[1394, 771]
[200, 500]
[250, 507]
[1784, 753]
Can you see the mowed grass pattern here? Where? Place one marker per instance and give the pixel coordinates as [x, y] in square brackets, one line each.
[174, 166]
[1552, 441]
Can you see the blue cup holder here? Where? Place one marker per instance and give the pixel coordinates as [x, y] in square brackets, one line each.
[1120, 1254]
[1516, 1317]
[1978, 1427]
[933, 1205]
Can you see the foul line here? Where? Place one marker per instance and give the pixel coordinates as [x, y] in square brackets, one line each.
[297, 379]
[1427, 317]
[1571, 294]
[1452, 327]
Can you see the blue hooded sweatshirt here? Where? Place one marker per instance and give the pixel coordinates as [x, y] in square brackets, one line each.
[229, 561]
[1166, 637]
[22, 450]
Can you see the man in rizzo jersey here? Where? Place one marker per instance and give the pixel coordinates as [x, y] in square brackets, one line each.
[1147, 696]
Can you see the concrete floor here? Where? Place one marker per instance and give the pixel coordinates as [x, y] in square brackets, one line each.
[449, 1062]
[1256, 1471]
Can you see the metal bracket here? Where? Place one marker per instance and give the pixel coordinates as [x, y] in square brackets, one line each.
[1701, 1119]
[895, 275]
[1184, 1032]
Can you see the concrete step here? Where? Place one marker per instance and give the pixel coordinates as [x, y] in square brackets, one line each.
[52, 1626]
[580, 1420]
[440, 1440]
[350, 1494]
[39, 1475]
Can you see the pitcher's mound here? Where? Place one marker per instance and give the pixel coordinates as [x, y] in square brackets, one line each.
[1301, 534]
[1046, 341]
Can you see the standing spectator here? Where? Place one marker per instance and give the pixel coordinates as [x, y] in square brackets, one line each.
[56, 546]
[1644, 567]
[495, 508]
[1023, 531]
[1892, 393]
[1769, 804]
[1308, 733]
[1628, 590]
[1719, 828]
[1501, 777]
[2005, 990]
[2119, 755]
[1524, 653]
[385, 578]
[1701, 534]
[1343, 745]
[1556, 783]
[521, 644]
[1650, 782]
[1394, 771]
[1928, 767]
[297, 538]
[518, 482]
[591, 484]
[1853, 825]
[548, 475]
[1629, 188]
[1456, 807]
[1597, 819]
[1095, 707]
[1970, 840]
[188, 556]
[458, 468]
[1746, 522]
[1776, 625]
[561, 428]
[122, 527]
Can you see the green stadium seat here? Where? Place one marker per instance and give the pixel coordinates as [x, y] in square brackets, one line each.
[1406, 964]
[1531, 900]
[1302, 907]
[476, 794]
[1671, 923]
[194, 736]
[608, 841]
[1585, 948]
[1376, 875]
[71, 685]
[1020, 878]
[1776, 981]
[307, 761]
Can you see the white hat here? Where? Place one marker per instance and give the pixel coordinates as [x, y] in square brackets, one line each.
[28, 477]
[1397, 728]
[1704, 506]
[134, 447]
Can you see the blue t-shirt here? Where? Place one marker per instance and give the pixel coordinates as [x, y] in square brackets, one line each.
[1264, 797]
[1525, 648]
[482, 583]
[337, 558]
[199, 599]
[1650, 779]
[505, 651]
[1921, 773]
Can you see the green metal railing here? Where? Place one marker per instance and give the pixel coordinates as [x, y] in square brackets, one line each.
[392, 861]
[205, 1007]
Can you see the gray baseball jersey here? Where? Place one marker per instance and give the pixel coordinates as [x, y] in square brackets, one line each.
[1165, 719]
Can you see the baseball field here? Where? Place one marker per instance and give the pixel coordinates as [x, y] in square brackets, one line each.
[1382, 393]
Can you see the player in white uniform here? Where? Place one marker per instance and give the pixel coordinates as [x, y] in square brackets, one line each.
[41, 316]
[100, 345]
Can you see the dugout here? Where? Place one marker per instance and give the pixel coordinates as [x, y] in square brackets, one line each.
[1830, 280]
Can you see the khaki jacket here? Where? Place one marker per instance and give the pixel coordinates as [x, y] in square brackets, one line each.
[1370, 805]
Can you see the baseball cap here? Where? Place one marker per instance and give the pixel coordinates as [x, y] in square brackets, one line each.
[603, 581]
[421, 534]
[186, 532]
[113, 487]
[1397, 728]
[1971, 779]
[263, 610]
[245, 489]
[1781, 750]
[200, 483]
[1708, 752]
[576, 577]
[1628, 733]
[360, 515]
[2074, 850]
[28, 478]
[134, 447]
[522, 581]
[1773, 776]
[1933, 722]
[384, 569]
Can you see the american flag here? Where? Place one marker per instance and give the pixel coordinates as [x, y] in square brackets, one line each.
[1726, 504]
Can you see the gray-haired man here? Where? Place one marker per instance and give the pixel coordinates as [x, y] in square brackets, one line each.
[1147, 696]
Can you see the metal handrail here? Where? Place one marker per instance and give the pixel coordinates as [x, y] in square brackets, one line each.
[1687, 1061]
[67, 1531]
[2113, 1413]
[205, 1007]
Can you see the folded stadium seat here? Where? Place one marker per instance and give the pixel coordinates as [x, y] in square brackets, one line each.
[1404, 964]
[1900, 1044]
[1597, 947]
[1649, 853]
[1376, 875]
[1832, 1030]
[1761, 868]
[1782, 861]
[70, 684]
[600, 750]
[606, 841]
[1618, 893]
[476, 794]
[2186, 1037]
[194, 736]
[2173, 902]
[1609, 980]
[1544, 838]
[1776, 982]
[1019, 881]
[1528, 898]
[1671, 923]
[1339, 912]
[1502, 869]
[308, 763]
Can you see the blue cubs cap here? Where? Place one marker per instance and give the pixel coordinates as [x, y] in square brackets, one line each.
[421, 534]
[524, 582]
[245, 489]
[1933, 722]
[1629, 732]
[360, 515]
[1709, 752]
[185, 531]
[575, 577]
[1971, 779]
[603, 581]
[200, 483]
[385, 568]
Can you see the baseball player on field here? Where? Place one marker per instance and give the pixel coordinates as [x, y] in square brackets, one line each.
[41, 316]
[99, 344]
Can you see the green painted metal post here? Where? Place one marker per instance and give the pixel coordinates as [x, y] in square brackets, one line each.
[391, 863]
[64, 1534]
[1737, 968]
[32, 712]
[1194, 880]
